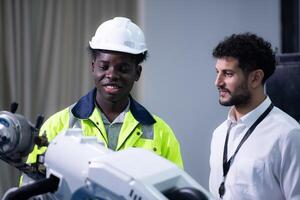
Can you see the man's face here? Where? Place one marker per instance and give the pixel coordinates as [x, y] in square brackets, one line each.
[231, 83]
[114, 75]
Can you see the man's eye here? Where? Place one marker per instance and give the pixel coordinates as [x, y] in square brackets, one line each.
[228, 74]
[124, 68]
[102, 67]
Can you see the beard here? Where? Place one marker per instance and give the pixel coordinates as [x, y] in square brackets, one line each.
[240, 97]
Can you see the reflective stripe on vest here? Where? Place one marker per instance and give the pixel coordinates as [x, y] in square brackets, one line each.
[147, 132]
[73, 121]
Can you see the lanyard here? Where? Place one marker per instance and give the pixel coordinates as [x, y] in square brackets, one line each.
[227, 164]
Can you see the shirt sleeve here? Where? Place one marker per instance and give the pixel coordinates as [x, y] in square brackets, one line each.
[290, 165]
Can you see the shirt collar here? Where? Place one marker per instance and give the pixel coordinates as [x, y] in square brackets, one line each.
[119, 119]
[251, 116]
[86, 105]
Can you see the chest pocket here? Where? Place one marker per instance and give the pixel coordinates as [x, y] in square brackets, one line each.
[249, 176]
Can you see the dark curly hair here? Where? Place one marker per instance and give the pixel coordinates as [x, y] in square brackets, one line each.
[139, 58]
[251, 51]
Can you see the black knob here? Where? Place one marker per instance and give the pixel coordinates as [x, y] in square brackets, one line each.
[39, 122]
[13, 107]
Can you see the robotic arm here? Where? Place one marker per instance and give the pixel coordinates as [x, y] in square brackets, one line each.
[17, 139]
[79, 167]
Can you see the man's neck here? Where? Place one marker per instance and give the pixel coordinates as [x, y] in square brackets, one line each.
[111, 109]
[242, 110]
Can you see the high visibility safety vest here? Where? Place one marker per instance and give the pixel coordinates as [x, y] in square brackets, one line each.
[139, 129]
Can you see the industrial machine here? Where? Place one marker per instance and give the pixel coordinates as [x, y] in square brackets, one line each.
[75, 167]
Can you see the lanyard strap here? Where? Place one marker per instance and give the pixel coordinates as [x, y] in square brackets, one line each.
[227, 164]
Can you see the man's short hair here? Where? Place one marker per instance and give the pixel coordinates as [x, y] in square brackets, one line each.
[251, 51]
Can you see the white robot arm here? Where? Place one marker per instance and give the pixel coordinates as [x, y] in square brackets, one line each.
[79, 167]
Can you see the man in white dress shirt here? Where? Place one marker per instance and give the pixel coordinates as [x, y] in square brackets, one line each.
[255, 152]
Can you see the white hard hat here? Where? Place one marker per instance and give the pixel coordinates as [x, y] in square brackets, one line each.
[119, 34]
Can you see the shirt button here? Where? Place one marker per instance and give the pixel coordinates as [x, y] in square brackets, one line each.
[97, 123]
[138, 133]
[154, 149]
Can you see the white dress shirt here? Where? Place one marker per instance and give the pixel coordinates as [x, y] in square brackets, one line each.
[267, 166]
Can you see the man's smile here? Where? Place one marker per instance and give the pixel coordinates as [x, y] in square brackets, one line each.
[112, 87]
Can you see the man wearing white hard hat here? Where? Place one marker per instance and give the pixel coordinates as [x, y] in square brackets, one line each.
[108, 111]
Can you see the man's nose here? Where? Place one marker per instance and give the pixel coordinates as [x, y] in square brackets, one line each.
[219, 81]
[112, 73]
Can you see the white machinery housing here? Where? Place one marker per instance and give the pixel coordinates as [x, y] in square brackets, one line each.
[84, 164]
[81, 168]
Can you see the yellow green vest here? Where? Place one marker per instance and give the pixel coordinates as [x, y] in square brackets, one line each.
[140, 128]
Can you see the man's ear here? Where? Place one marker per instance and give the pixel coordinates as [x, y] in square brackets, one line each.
[93, 65]
[138, 72]
[256, 78]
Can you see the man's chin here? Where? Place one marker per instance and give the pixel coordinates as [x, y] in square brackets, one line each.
[225, 103]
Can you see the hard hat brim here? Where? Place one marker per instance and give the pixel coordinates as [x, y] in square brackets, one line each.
[118, 48]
